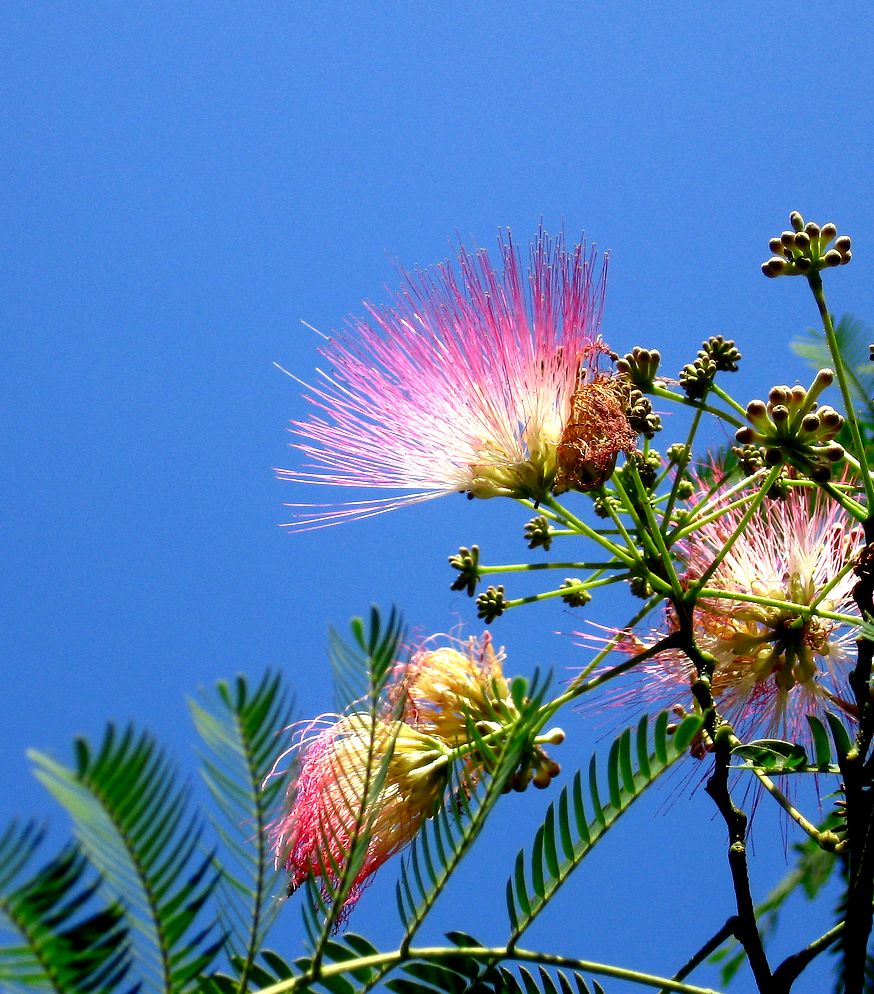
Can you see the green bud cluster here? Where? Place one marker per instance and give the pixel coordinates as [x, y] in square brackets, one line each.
[648, 465]
[640, 587]
[678, 454]
[685, 489]
[490, 604]
[467, 564]
[640, 414]
[577, 595]
[723, 352]
[750, 458]
[717, 354]
[696, 377]
[602, 505]
[536, 769]
[640, 367]
[805, 249]
[792, 428]
[537, 533]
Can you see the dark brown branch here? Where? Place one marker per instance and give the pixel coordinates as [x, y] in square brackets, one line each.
[858, 791]
[747, 931]
[710, 946]
[793, 966]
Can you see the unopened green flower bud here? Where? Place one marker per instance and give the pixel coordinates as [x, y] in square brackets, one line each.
[577, 595]
[775, 266]
[541, 778]
[797, 396]
[466, 561]
[810, 424]
[491, 603]
[757, 413]
[722, 351]
[685, 489]
[640, 366]
[640, 587]
[537, 533]
[678, 454]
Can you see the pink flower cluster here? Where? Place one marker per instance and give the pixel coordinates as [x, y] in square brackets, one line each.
[463, 385]
[774, 664]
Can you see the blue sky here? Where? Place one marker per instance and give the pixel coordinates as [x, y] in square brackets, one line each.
[183, 185]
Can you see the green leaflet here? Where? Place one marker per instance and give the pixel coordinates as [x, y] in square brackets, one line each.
[133, 824]
[238, 727]
[568, 833]
[362, 670]
[448, 835]
[69, 942]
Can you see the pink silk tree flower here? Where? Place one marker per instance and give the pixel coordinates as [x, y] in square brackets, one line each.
[359, 776]
[463, 385]
[773, 665]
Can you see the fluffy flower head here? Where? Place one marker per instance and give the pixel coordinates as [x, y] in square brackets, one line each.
[465, 384]
[773, 664]
[446, 687]
[342, 764]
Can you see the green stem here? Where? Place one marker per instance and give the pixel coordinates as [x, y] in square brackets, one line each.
[805, 610]
[645, 538]
[755, 504]
[852, 507]
[681, 473]
[485, 953]
[563, 591]
[654, 530]
[679, 398]
[701, 513]
[814, 281]
[825, 840]
[524, 567]
[583, 529]
[652, 603]
[577, 689]
[728, 399]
